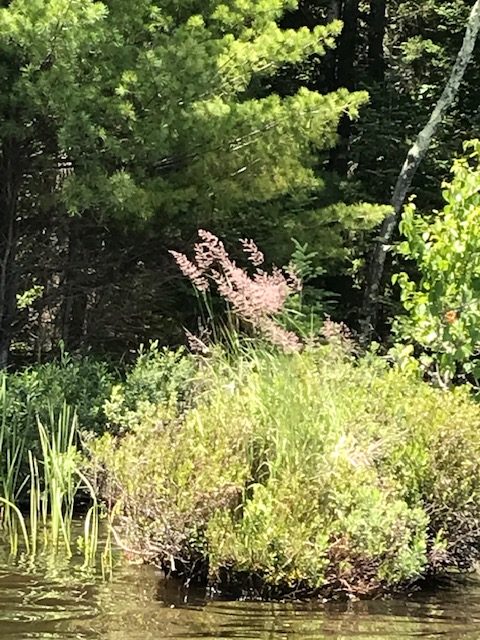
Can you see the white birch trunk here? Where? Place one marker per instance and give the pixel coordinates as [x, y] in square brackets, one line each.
[412, 162]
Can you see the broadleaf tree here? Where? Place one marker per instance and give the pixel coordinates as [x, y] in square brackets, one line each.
[442, 319]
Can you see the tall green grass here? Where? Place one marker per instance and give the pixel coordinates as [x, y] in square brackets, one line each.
[49, 492]
[295, 473]
[11, 454]
[41, 476]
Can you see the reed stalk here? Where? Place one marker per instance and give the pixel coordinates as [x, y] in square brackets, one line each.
[54, 480]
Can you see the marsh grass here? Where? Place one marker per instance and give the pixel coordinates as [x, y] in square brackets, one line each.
[12, 446]
[60, 482]
[49, 492]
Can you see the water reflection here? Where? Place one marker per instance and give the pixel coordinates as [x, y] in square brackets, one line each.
[58, 601]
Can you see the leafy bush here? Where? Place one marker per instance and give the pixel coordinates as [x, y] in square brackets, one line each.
[43, 393]
[443, 307]
[304, 473]
[82, 383]
[160, 377]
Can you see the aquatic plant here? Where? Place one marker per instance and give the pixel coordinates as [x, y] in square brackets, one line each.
[34, 392]
[55, 482]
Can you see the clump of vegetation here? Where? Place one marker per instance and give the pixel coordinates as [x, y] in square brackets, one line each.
[254, 300]
[299, 473]
[44, 410]
[160, 377]
[36, 391]
[53, 485]
[442, 319]
[40, 393]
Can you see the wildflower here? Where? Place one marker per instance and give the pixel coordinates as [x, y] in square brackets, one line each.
[294, 279]
[196, 344]
[254, 255]
[337, 333]
[277, 335]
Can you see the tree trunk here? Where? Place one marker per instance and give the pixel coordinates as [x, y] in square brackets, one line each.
[327, 68]
[74, 305]
[410, 166]
[334, 11]
[376, 37]
[347, 45]
[346, 52]
[9, 184]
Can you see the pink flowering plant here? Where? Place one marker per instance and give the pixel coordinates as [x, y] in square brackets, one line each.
[256, 298]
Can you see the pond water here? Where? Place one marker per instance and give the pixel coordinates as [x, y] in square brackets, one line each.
[53, 600]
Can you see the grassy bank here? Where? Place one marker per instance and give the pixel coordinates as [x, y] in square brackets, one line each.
[306, 473]
[258, 472]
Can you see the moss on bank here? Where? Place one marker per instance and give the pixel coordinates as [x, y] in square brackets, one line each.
[297, 474]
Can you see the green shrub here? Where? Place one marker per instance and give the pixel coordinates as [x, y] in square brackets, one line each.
[442, 302]
[159, 377]
[38, 390]
[302, 473]
[41, 393]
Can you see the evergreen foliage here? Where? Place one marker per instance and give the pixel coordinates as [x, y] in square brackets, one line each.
[142, 111]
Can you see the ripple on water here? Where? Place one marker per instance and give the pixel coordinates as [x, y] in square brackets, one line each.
[47, 604]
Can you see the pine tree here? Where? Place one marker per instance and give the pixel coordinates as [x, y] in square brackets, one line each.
[143, 109]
